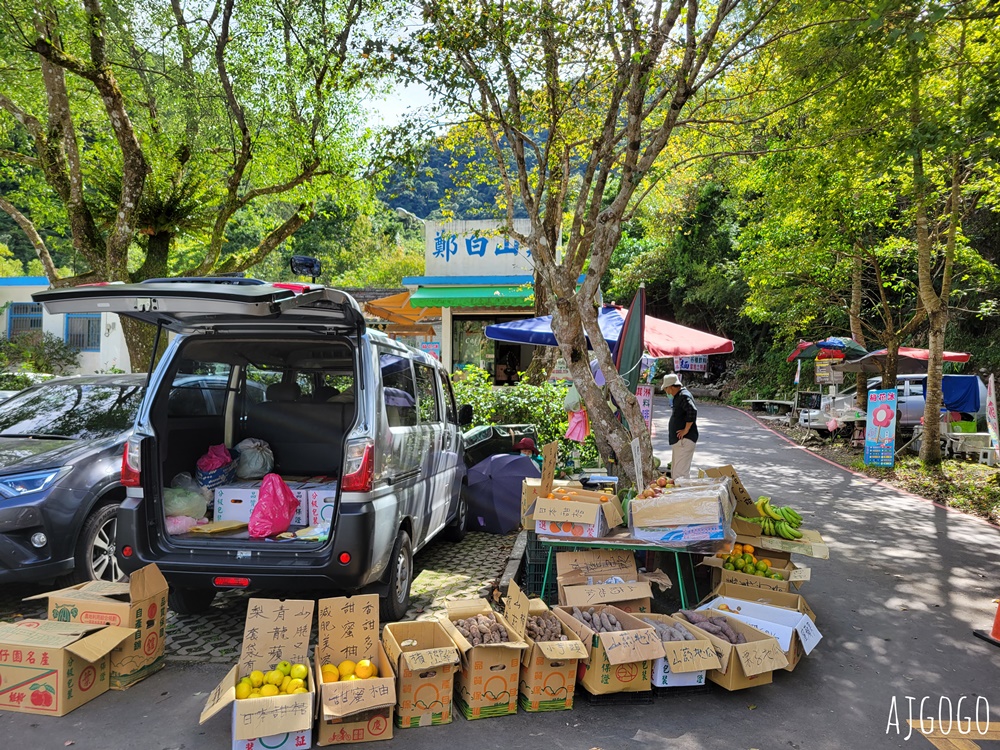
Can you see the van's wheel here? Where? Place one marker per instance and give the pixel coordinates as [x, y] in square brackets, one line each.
[396, 601]
[95, 549]
[455, 531]
[190, 601]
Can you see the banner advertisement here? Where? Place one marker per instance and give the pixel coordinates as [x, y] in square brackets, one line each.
[880, 429]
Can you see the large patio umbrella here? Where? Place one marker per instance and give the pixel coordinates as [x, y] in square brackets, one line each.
[493, 492]
[835, 347]
[661, 337]
[910, 361]
[396, 308]
[628, 348]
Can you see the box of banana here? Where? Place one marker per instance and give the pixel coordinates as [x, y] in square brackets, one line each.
[778, 528]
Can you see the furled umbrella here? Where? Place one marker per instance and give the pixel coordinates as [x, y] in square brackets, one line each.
[493, 492]
[628, 351]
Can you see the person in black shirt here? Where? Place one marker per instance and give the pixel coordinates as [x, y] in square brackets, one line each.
[683, 426]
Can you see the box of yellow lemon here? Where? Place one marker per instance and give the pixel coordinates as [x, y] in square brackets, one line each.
[357, 690]
[271, 689]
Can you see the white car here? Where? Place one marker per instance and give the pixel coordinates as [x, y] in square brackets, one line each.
[910, 395]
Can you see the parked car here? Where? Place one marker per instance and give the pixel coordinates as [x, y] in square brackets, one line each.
[341, 402]
[60, 466]
[910, 403]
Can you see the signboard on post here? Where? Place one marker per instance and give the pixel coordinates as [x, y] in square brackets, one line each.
[644, 394]
[692, 363]
[824, 374]
[880, 429]
[991, 417]
[475, 248]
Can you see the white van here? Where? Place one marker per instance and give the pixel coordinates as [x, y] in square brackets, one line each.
[369, 422]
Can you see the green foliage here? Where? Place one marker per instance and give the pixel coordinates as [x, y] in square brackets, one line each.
[539, 405]
[39, 351]
[14, 381]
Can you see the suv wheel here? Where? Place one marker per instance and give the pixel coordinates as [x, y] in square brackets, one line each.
[190, 601]
[95, 550]
[455, 531]
[396, 601]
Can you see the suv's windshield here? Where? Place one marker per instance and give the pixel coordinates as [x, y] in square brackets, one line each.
[71, 410]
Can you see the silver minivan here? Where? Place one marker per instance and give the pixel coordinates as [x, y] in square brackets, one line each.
[364, 416]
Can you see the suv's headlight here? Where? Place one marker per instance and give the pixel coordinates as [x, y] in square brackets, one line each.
[24, 484]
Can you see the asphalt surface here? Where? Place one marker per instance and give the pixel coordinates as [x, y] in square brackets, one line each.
[905, 584]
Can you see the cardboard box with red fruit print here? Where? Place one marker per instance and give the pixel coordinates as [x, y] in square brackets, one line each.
[50, 668]
[577, 513]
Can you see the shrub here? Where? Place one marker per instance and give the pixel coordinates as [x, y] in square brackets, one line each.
[522, 403]
[39, 351]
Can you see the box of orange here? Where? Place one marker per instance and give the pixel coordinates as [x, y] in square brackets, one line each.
[577, 513]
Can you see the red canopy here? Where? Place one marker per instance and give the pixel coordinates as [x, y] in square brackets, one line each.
[666, 339]
[905, 351]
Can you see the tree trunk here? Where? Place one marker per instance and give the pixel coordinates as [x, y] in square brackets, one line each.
[857, 331]
[543, 359]
[139, 340]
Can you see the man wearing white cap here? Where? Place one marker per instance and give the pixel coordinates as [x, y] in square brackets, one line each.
[683, 426]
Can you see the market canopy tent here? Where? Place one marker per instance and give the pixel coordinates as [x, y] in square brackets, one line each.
[910, 362]
[396, 308]
[661, 337]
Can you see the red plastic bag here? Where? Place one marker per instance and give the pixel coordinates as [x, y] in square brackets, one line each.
[216, 458]
[274, 510]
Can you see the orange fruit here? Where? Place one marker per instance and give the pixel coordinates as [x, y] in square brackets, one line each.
[567, 526]
[550, 496]
[767, 562]
[577, 529]
[748, 548]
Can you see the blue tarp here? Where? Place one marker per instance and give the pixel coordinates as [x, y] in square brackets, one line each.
[960, 393]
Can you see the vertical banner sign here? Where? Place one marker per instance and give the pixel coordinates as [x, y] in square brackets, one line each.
[991, 417]
[880, 429]
[644, 394]
[637, 459]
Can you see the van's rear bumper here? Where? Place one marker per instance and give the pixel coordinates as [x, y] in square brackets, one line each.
[266, 567]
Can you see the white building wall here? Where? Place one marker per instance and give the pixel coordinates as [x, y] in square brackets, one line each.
[113, 352]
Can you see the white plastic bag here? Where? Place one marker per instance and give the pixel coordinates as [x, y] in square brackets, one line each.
[256, 459]
[185, 481]
[178, 501]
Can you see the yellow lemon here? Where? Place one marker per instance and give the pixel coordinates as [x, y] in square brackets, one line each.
[284, 684]
[365, 669]
[352, 677]
[274, 677]
[268, 690]
[331, 674]
[255, 693]
[346, 668]
[294, 685]
[243, 691]
[256, 678]
[299, 671]
[299, 690]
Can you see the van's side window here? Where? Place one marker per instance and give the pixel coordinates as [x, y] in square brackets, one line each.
[427, 398]
[399, 393]
[449, 398]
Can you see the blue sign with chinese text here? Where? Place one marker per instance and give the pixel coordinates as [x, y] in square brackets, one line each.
[880, 429]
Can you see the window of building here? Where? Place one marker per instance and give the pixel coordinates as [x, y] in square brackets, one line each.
[23, 317]
[83, 332]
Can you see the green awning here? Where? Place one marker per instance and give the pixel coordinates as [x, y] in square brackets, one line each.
[473, 296]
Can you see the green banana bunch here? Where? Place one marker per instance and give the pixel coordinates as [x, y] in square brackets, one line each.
[779, 526]
[785, 514]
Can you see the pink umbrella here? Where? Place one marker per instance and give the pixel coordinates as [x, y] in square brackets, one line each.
[665, 339]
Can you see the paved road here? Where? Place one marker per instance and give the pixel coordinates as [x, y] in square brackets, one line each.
[906, 583]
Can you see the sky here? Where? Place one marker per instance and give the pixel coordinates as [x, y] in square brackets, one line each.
[390, 109]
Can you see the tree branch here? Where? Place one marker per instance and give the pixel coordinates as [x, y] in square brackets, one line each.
[36, 240]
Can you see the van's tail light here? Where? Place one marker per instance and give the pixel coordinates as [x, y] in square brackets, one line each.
[359, 466]
[131, 463]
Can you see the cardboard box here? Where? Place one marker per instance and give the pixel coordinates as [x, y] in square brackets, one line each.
[275, 630]
[683, 506]
[322, 503]
[581, 577]
[619, 662]
[353, 710]
[532, 487]
[811, 544]
[547, 679]
[425, 659]
[741, 499]
[684, 663]
[140, 604]
[235, 501]
[744, 665]
[793, 575]
[487, 682]
[789, 621]
[582, 514]
[51, 668]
